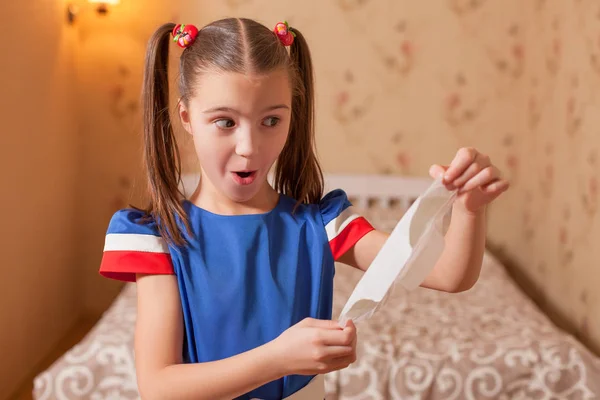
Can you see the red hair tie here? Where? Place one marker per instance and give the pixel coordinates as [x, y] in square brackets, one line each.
[285, 36]
[184, 35]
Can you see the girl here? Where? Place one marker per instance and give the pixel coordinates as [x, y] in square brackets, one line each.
[235, 283]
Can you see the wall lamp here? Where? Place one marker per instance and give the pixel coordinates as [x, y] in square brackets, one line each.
[100, 6]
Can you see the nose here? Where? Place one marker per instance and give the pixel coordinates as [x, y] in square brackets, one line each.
[247, 143]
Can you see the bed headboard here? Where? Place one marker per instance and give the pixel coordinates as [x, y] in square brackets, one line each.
[381, 191]
[363, 190]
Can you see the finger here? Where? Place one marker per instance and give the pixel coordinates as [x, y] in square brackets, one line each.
[321, 324]
[330, 337]
[480, 163]
[335, 353]
[350, 331]
[436, 171]
[483, 177]
[331, 354]
[464, 157]
[340, 366]
[325, 368]
[343, 362]
[350, 324]
[498, 186]
[469, 173]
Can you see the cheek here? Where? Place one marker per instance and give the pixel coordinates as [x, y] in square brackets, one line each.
[212, 153]
[278, 142]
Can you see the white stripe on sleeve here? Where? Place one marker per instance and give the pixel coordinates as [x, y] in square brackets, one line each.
[135, 242]
[339, 223]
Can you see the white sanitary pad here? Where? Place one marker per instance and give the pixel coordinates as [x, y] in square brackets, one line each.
[407, 257]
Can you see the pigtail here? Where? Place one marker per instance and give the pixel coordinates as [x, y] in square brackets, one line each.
[161, 153]
[298, 173]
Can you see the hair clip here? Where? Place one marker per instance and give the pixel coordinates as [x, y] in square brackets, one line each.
[184, 35]
[284, 34]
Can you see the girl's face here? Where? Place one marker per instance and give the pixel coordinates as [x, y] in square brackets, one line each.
[239, 124]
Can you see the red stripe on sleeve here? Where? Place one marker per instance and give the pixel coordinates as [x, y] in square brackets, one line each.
[123, 265]
[349, 236]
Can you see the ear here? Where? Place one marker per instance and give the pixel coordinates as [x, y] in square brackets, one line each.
[184, 116]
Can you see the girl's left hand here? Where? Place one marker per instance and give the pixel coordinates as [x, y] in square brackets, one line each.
[477, 180]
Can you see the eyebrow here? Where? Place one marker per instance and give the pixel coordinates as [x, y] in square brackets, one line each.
[229, 109]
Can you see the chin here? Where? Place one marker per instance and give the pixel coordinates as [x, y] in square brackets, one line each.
[242, 194]
[241, 198]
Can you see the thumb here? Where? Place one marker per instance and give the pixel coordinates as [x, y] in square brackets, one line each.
[350, 325]
[436, 170]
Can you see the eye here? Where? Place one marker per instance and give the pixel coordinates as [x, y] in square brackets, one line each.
[225, 123]
[271, 121]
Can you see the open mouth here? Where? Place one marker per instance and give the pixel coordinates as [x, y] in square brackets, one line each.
[244, 177]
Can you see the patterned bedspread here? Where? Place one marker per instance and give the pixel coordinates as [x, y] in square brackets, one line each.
[488, 343]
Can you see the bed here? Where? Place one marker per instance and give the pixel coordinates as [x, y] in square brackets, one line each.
[490, 342]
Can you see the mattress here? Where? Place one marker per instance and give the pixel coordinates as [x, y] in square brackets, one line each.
[490, 342]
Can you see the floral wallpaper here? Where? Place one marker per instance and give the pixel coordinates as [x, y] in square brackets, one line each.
[402, 84]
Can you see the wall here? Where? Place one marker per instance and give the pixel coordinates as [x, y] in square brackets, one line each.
[403, 84]
[552, 154]
[110, 65]
[38, 289]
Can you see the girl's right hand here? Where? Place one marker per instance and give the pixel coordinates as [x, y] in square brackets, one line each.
[314, 346]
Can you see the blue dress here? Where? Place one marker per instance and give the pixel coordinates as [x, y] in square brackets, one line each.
[242, 279]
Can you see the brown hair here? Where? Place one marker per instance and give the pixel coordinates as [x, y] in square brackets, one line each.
[232, 45]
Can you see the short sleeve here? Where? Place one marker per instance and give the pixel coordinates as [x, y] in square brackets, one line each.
[133, 247]
[343, 224]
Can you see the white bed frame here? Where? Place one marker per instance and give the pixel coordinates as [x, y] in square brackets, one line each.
[363, 190]
[384, 191]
